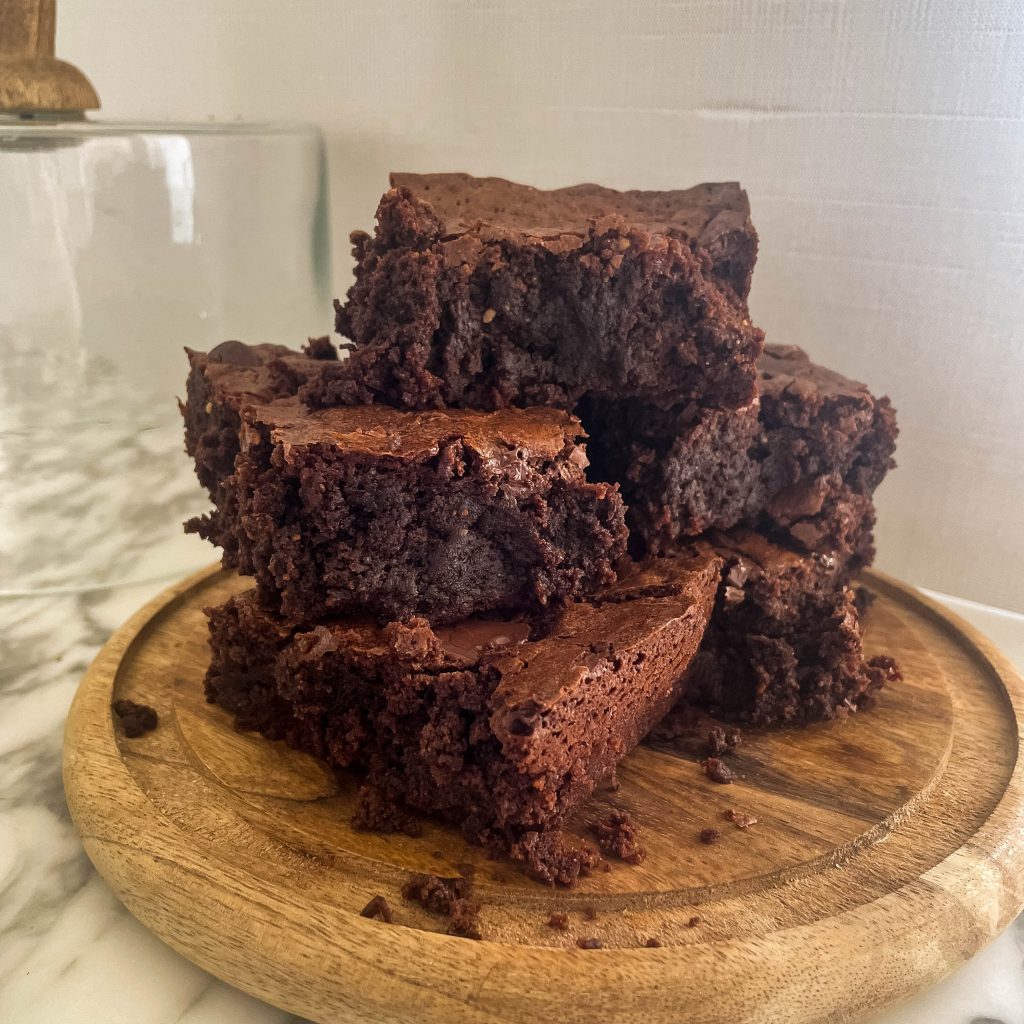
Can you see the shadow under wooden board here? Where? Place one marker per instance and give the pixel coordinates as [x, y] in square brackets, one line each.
[887, 851]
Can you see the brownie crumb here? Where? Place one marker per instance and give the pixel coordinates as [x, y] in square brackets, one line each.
[136, 719]
[617, 836]
[592, 943]
[429, 891]
[448, 897]
[465, 919]
[559, 921]
[320, 348]
[693, 922]
[723, 741]
[377, 812]
[709, 836]
[739, 819]
[549, 858]
[590, 913]
[718, 771]
[887, 666]
[378, 908]
[652, 943]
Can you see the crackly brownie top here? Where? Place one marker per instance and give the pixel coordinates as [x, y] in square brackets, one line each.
[591, 637]
[788, 368]
[584, 639]
[504, 439]
[495, 207]
[239, 373]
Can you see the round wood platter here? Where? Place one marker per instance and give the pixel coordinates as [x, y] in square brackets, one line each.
[887, 850]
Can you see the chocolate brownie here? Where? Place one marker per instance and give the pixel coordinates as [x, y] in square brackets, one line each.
[800, 462]
[443, 514]
[220, 383]
[500, 726]
[784, 644]
[480, 293]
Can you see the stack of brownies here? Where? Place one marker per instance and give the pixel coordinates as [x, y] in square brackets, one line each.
[458, 599]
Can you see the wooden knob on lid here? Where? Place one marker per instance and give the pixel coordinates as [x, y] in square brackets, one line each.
[31, 78]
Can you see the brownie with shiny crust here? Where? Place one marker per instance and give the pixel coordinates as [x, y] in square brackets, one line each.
[801, 462]
[481, 293]
[443, 513]
[785, 640]
[500, 726]
[220, 382]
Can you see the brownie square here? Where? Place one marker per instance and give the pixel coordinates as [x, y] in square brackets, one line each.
[443, 514]
[219, 384]
[800, 462]
[481, 293]
[500, 726]
[785, 641]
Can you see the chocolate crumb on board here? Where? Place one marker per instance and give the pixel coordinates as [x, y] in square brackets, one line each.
[652, 943]
[739, 819]
[590, 913]
[136, 719]
[378, 908]
[449, 897]
[709, 836]
[559, 920]
[549, 858]
[464, 919]
[693, 922]
[591, 943]
[376, 812]
[617, 836]
[723, 741]
[718, 771]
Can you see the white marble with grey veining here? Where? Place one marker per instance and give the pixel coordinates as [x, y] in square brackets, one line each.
[69, 953]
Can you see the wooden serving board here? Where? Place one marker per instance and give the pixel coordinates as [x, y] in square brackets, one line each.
[887, 850]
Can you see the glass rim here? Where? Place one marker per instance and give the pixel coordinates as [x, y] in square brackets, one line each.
[63, 124]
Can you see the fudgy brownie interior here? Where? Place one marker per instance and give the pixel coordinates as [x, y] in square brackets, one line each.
[801, 462]
[442, 514]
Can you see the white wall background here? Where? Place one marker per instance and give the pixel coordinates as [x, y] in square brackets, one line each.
[882, 144]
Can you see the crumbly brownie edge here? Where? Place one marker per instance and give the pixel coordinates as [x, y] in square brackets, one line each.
[648, 320]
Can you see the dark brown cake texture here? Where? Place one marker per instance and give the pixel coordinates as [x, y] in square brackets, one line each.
[443, 514]
[481, 293]
[785, 642]
[801, 462]
[220, 383]
[498, 731]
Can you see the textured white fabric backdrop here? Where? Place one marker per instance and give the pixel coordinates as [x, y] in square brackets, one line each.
[882, 145]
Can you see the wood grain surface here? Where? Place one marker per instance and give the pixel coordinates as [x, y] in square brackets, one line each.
[31, 78]
[887, 851]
